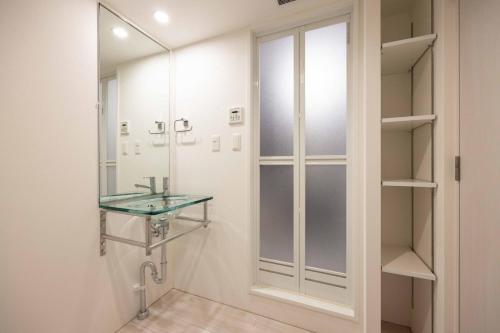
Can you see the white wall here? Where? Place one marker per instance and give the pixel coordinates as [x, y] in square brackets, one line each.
[52, 278]
[216, 263]
[143, 98]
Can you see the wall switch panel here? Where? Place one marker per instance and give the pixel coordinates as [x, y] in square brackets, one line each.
[236, 116]
[125, 148]
[137, 147]
[215, 142]
[236, 141]
[124, 128]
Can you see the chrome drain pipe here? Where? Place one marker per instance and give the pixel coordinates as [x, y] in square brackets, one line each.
[157, 278]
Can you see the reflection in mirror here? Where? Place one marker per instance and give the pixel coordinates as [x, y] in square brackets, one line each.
[134, 108]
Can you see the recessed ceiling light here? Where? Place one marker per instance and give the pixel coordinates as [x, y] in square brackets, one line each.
[120, 32]
[161, 17]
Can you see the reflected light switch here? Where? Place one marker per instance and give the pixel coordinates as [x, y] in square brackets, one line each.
[125, 148]
[236, 141]
[215, 142]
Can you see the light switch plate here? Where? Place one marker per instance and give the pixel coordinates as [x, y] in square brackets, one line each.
[215, 142]
[137, 147]
[125, 148]
[236, 141]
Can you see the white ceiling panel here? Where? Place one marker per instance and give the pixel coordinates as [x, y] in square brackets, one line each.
[195, 20]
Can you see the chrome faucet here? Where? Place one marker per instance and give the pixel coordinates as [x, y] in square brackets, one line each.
[151, 187]
[166, 186]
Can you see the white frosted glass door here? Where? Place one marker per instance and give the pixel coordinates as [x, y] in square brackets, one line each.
[276, 212]
[326, 217]
[302, 161]
[278, 161]
[326, 90]
[276, 71]
[325, 145]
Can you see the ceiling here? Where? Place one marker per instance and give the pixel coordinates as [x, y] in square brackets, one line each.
[114, 51]
[195, 20]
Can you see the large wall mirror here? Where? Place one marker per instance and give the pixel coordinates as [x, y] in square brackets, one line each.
[134, 107]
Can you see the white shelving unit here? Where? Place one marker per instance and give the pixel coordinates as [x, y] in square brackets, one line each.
[400, 56]
[408, 183]
[408, 205]
[401, 260]
[406, 124]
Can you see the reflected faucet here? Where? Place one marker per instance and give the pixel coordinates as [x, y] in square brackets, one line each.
[166, 186]
[151, 187]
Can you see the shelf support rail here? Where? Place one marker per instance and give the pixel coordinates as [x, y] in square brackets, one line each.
[148, 243]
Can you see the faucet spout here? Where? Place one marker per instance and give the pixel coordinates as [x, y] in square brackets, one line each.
[151, 187]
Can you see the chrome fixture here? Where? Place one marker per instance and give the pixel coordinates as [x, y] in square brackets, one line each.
[160, 126]
[166, 186]
[148, 244]
[141, 205]
[185, 124]
[162, 229]
[151, 187]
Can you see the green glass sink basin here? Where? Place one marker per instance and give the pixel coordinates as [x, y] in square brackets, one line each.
[149, 204]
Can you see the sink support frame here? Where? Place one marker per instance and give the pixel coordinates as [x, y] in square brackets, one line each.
[148, 244]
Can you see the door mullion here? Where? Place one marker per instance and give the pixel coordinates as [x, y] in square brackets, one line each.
[302, 166]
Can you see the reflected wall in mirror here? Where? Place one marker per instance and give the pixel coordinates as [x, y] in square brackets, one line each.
[134, 107]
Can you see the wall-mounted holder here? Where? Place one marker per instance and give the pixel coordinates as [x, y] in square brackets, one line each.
[160, 126]
[185, 124]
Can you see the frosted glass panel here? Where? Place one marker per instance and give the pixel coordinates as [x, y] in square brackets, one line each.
[111, 119]
[326, 90]
[276, 212]
[326, 217]
[276, 97]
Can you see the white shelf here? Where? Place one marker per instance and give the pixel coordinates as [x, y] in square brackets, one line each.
[394, 328]
[401, 260]
[401, 55]
[408, 183]
[406, 123]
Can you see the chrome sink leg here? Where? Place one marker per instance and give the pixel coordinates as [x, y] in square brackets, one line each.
[149, 235]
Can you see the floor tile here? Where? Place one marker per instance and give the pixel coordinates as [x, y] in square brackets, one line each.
[179, 312]
[196, 329]
[131, 328]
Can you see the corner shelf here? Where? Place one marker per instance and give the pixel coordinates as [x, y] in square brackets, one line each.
[408, 183]
[401, 260]
[400, 56]
[406, 124]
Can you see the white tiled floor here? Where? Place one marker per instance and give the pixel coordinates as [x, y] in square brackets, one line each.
[179, 312]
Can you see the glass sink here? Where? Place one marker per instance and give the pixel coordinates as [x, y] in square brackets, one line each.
[150, 204]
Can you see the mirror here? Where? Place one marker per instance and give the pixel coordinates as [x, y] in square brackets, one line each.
[134, 107]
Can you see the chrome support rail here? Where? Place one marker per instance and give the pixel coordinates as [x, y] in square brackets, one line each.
[148, 243]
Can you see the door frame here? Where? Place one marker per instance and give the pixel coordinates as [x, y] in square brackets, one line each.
[353, 149]
[447, 140]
